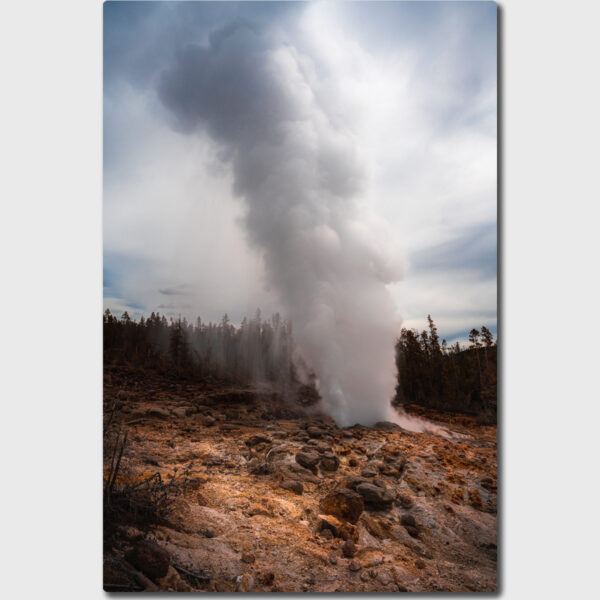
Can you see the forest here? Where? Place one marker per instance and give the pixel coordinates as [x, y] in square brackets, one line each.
[431, 374]
[448, 378]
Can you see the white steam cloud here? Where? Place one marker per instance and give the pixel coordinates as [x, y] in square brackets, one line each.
[298, 168]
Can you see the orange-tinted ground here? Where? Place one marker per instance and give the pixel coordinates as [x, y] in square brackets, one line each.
[242, 524]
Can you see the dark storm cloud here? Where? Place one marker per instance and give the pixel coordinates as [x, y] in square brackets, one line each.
[266, 88]
[473, 251]
[178, 290]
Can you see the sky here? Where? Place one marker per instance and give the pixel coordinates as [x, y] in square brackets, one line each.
[411, 88]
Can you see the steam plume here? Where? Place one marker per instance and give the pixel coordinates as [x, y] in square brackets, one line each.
[299, 171]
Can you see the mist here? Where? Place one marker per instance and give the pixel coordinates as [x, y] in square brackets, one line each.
[297, 167]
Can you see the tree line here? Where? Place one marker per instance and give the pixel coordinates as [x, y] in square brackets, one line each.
[257, 350]
[430, 373]
[449, 378]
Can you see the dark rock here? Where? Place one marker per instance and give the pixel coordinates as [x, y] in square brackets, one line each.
[353, 482]
[412, 531]
[315, 432]
[387, 426]
[408, 520]
[352, 462]
[376, 527]
[375, 496]
[355, 565]
[149, 558]
[405, 501]
[209, 533]
[228, 427]
[254, 440]
[293, 486]
[329, 462]
[368, 473]
[297, 472]
[307, 459]
[248, 558]
[267, 578]
[339, 529]
[349, 549]
[343, 503]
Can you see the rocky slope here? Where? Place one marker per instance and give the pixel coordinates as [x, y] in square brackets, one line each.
[279, 500]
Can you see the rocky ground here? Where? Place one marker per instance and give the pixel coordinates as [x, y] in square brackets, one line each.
[269, 498]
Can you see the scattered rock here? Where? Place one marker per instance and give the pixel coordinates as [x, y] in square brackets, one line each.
[329, 462]
[343, 503]
[387, 426]
[228, 427]
[256, 439]
[353, 482]
[315, 432]
[375, 496]
[385, 577]
[339, 529]
[412, 531]
[404, 500]
[244, 583]
[307, 460]
[376, 527]
[408, 520]
[349, 549]
[355, 565]
[149, 558]
[157, 412]
[293, 486]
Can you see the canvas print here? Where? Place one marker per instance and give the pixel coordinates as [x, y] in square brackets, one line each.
[300, 296]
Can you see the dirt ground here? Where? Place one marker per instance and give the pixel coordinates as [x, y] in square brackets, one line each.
[260, 512]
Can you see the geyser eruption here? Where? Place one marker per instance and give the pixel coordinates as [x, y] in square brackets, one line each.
[297, 166]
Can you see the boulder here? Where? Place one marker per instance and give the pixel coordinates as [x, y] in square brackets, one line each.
[149, 558]
[315, 432]
[339, 529]
[355, 565]
[256, 439]
[387, 426]
[293, 486]
[349, 549]
[158, 413]
[309, 460]
[329, 462]
[374, 496]
[343, 503]
[404, 500]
